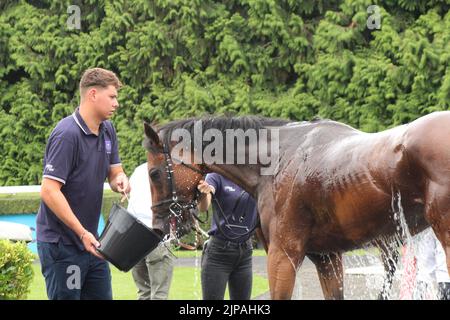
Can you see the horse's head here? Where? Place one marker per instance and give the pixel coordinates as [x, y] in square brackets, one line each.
[173, 184]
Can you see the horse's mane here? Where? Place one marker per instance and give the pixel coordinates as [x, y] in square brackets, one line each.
[221, 123]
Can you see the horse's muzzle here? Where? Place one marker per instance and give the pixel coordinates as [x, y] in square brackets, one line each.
[161, 227]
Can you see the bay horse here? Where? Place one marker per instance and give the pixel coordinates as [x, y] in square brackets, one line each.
[334, 188]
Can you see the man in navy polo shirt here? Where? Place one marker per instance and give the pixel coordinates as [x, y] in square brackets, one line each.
[81, 152]
[227, 255]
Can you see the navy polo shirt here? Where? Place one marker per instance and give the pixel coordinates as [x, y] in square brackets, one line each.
[81, 161]
[238, 206]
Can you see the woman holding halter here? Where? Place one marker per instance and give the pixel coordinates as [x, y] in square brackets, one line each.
[227, 255]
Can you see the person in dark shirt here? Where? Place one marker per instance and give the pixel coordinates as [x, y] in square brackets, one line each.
[81, 152]
[227, 255]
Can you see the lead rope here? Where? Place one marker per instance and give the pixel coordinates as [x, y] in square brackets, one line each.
[228, 225]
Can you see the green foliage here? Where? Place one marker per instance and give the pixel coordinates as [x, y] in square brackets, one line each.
[290, 58]
[16, 272]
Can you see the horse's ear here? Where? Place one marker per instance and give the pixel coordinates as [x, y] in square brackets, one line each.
[152, 137]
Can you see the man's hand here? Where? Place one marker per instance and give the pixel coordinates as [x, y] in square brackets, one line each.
[122, 183]
[90, 243]
[118, 180]
[123, 186]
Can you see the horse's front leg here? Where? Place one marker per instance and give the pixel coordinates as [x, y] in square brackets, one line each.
[331, 274]
[288, 238]
[282, 266]
[286, 231]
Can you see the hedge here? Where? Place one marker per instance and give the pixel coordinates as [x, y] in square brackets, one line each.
[24, 203]
[16, 272]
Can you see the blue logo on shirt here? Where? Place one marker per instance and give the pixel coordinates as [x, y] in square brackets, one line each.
[108, 146]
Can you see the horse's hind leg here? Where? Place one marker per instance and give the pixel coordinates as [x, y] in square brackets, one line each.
[437, 213]
[331, 274]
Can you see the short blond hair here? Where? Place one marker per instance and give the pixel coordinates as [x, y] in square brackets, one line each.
[98, 77]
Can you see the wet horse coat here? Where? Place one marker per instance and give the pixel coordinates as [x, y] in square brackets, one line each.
[336, 189]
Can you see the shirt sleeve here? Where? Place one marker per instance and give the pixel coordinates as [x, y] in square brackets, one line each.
[59, 159]
[214, 180]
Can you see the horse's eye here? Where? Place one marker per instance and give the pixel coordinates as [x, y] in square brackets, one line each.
[154, 174]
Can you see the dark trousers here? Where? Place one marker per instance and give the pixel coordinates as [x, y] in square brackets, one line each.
[71, 274]
[226, 262]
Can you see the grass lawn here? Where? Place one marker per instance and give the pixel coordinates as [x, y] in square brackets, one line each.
[185, 285]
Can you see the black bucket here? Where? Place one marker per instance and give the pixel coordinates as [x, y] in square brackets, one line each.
[126, 240]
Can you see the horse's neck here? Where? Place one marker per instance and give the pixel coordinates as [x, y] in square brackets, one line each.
[247, 177]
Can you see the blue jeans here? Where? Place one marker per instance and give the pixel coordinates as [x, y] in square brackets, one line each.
[226, 262]
[71, 274]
